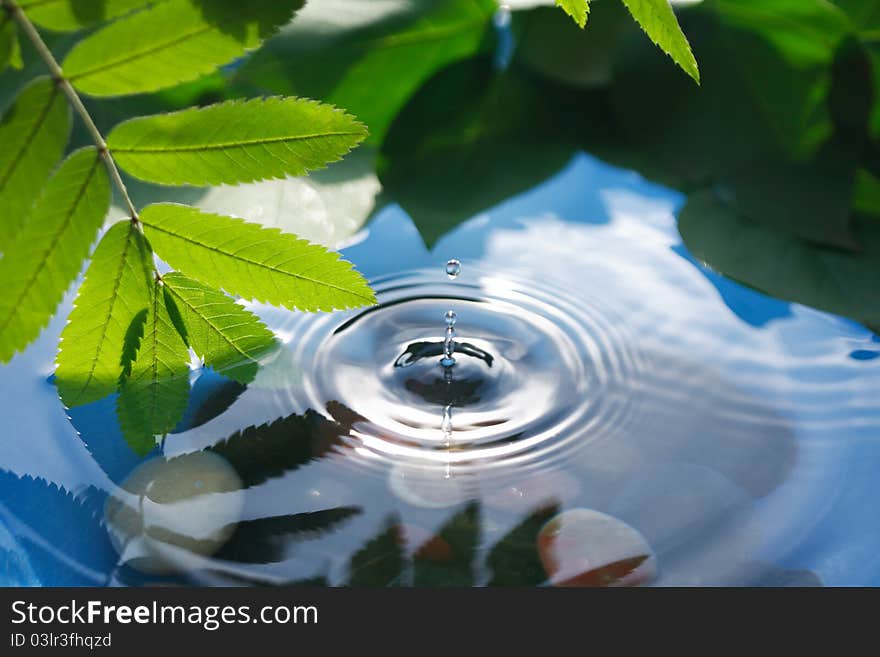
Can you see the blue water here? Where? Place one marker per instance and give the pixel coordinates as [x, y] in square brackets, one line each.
[749, 453]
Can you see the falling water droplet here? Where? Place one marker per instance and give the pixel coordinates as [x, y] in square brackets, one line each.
[453, 268]
[450, 318]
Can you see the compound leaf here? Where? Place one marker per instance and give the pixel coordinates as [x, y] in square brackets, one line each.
[172, 42]
[115, 294]
[33, 134]
[579, 10]
[253, 262]
[228, 337]
[235, 141]
[660, 24]
[48, 252]
[154, 395]
[72, 15]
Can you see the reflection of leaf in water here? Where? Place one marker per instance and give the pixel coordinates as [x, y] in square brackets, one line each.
[65, 540]
[447, 559]
[266, 540]
[204, 407]
[470, 138]
[514, 559]
[371, 69]
[782, 265]
[269, 450]
[380, 562]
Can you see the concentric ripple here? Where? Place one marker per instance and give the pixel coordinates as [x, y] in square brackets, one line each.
[535, 371]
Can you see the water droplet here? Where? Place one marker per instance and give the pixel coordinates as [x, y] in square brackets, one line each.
[450, 318]
[453, 268]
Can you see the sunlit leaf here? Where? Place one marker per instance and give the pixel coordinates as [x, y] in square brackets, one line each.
[153, 396]
[49, 251]
[784, 266]
[447, 559]
[659, 23]
[71, 15]
[370, 68]
[229, 338]
[172, 42]
[10, 52]
[116, 290]
[256, 263]
[235, 141]
[33, 134]
[579, 10]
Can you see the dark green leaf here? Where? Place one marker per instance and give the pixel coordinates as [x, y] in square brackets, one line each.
[514, 560]
[380, 562]
[49, 251]
[783, 266]
[369, 69]
[447, 559]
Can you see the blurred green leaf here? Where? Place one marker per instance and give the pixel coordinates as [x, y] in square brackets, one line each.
[370, 69]
[579, 10]
[71, 15]
[229, 338]
[658, 21]
[515, 560]
[33, 134]
[116, 290]
[470, 138]
[447, 559]
[783, 266]
[153, 396]
[172, 42]
[10, 52]
[256, 263]
[48, 252]
[235, 141]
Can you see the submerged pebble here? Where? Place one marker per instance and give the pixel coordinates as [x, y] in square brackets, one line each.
[192, 502]
[582, 547]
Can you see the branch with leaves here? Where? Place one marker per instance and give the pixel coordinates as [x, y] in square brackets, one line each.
[132, 328]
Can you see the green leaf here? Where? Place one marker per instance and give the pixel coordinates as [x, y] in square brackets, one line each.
[447, 559]
[658, 21]
[48, 252]
[369, 67]
[154, 395]
[514, 559]
[172, 42]
[116, 291]
[781, 265]
[228, 337]
[33, 135]
[380, 561]
[579, 10]
[469, 139]
[256, 263]
[10, 52]
[235, 141]
[71, 15]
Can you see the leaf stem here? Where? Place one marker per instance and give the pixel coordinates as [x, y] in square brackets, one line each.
[76, 103]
